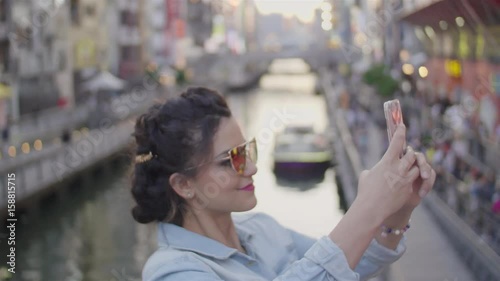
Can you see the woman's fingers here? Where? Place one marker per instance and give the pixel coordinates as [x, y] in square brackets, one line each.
[425, 168]
[426, 173]
[407, 160]
[399, 180]
[412, 175]
[427, 184]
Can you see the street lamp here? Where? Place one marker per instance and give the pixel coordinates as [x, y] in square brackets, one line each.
[326, 16]
[326, 25]
[423, 72]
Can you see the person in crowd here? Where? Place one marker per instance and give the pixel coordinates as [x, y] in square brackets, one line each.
[193, 173]
[5, 130]
[484, 187]
[495, 207]
[497, 136]
[5, 133]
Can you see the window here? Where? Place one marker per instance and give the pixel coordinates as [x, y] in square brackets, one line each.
[129, 18]
[4, 56]
[123, 17]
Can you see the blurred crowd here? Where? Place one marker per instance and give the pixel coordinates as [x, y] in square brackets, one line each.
[465, 181]
[467, 178]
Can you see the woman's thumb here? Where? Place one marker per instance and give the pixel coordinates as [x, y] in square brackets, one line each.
[397, 144]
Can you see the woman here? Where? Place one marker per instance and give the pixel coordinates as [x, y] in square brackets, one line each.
[194, 169]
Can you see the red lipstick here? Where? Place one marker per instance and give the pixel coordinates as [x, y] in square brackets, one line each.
[249, 187]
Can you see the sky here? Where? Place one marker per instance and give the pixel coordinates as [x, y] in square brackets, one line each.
[303, 9]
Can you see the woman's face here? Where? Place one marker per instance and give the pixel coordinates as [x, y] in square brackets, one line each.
[219, 187]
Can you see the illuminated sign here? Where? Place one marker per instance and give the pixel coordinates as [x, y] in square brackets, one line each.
[453, 68]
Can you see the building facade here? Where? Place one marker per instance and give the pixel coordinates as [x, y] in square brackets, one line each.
[39, 51]
[4, 38]
[461, 39]
[131, 63]
[155, 37]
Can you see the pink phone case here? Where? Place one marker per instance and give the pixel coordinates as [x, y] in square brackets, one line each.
[393, 117]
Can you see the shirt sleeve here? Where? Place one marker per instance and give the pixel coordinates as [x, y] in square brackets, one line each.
[324, 261]
[373, 261]
[377, 257]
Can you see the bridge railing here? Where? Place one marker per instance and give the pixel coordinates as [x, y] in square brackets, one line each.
[455, 193]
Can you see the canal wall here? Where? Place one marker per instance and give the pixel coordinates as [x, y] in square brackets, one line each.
[41, 172]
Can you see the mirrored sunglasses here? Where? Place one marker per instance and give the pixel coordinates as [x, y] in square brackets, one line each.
[238, 155]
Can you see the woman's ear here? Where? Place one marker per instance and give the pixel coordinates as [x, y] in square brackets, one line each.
[181, 186]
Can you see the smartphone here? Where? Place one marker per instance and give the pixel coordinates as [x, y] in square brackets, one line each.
[393, 117]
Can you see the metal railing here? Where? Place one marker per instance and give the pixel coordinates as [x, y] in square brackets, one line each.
[455, 193]
[347, 175]
[49, 124]
[479, 256]
[36, 172]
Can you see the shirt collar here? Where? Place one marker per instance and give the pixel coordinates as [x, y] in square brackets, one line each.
[182, 239]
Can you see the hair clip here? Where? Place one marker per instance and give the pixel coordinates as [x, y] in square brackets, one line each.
[143, 157]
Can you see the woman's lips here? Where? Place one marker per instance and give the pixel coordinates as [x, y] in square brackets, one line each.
[249, 187]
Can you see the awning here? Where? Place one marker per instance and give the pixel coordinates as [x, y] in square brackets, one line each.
[104, 81]
[485, 10]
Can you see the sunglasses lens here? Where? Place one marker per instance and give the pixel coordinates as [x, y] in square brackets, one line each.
[239, 156]
[238, 159]
[252, 151]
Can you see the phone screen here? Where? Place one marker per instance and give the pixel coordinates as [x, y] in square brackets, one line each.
[393, 117]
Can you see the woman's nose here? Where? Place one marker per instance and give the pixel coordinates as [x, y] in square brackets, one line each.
[250, 168]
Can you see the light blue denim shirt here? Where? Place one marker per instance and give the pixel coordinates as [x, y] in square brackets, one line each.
[273, 253]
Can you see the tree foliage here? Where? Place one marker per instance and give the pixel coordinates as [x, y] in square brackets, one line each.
[378, 77]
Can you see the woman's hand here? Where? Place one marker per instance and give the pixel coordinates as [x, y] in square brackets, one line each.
[420, 187]
[382, 191]
[388, 186]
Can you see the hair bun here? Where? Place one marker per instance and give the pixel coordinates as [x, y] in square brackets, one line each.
[142, 216]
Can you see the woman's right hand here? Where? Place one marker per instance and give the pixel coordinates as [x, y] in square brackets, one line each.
[386, 187]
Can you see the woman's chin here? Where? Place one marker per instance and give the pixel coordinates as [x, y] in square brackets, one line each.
[247, 206]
